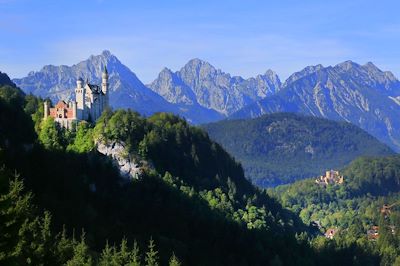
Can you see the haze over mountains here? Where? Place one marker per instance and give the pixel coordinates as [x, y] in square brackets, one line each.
[361, 94]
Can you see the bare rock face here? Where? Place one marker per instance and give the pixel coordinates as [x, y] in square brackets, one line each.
[130, 167]
[199, 83]
[361, 94]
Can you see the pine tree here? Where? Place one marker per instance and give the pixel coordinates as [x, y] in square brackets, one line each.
[25, 238]
[151, 255]
[106, 258]
[135, 255]
[123, 254]
[81, 254]
[173, 261]
[15, 219]
[64, 247]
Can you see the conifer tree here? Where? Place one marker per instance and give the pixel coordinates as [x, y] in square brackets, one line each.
[151, 255]
[81, 255]
[15, 217]
[135, 255]
[123, 255]
[106, 257]
[64, 247]
[173, 261]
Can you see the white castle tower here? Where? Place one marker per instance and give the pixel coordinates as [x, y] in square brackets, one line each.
[104, 85]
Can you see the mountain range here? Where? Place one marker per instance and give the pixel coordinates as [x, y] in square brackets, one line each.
[198, 92]
[199, 83]
[361, 94]
[126, 90]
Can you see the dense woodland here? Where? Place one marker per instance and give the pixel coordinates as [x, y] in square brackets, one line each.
[353, 207]
[280, 148]
[62, 202]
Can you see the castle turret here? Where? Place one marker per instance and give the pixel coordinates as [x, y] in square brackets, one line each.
[74, 110]
[104, 85]
[80, 94]
[46, 109]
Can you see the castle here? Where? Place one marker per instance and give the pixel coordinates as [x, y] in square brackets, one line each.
[331, 177]
[90, 101]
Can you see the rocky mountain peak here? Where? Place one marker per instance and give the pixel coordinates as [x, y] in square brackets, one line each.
[347, 65]
[197, 69]
[270, 73]
[106, 53]
[371, 65]
[200, 84]
[196, 62]
[303, 73]
[373, 69]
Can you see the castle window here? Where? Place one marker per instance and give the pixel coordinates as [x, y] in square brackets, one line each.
[60, 116]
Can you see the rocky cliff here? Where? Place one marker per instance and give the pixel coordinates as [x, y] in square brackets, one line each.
[129, 166]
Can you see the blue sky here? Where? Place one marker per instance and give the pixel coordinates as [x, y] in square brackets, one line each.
[240, 37]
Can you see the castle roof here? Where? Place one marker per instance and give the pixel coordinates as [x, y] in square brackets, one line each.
[96, 89]
[61, 104]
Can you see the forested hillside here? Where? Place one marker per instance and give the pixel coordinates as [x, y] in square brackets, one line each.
[280, 148]
[354, 207]
[62, 202]
[192, 200]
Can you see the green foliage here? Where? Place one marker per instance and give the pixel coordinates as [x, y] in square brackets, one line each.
[83, 141]
[51, 135]
[353, 207]
[192, 198]
[81, 254]
[283, 147]
[123, 125]
[34, 108]
[173, 261]
[151, 258]
[25, 237]
[16, 128]
[107, 256]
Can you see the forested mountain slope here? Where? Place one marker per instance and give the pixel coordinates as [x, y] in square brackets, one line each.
[192, 198]
[283, 147]
[355, 207]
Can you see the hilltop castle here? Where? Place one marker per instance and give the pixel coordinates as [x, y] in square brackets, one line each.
[331, 177]
[90, 101]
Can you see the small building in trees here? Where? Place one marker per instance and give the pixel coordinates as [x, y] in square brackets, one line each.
[331, 177]
[373, 233]
[90, 102]
[330, 233]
